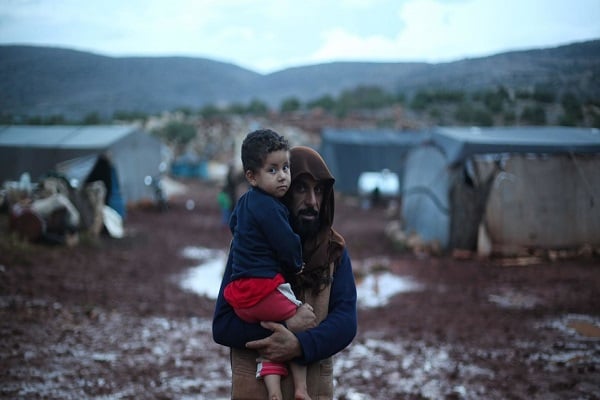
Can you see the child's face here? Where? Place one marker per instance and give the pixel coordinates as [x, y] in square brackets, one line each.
[274, 175]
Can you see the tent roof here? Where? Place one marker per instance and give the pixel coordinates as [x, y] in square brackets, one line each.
[461, 143]
[78, 168]
[63, 136]
[372, 136]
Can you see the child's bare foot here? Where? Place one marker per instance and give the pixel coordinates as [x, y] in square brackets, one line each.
[300, 394]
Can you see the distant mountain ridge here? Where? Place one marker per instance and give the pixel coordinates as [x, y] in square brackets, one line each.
[55, 81]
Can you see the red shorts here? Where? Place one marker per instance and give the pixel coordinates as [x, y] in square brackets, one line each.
[274, 307]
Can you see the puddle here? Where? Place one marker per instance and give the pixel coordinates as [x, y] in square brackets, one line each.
[577, 325]
[374, 290]
[580, 344]
[585, 328]
[411, 369]
[508, 298]
[205, 278]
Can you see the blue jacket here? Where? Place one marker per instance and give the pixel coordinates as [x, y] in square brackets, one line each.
[263, 240]
[331, 336]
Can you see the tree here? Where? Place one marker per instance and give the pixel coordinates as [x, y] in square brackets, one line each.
[92, 118]
[467, 114]
[421, 100]
[237, 108]
[290, 104]
[573, 111]
[399, 98]
[34, 120]
[56, 119]
[447, 96]
[187, 111]
[257, 107]
[464, 113]
[494, 100]
[523, 94]
[482, 118]
[510, 117]
[365, 97]
[543, 94]
[129, 115]
[534, 115]
[209, 111]
[326, 102]
[596, 120]
[6, 118]
[178, 133]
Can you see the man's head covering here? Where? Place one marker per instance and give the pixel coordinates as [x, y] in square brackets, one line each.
[327, 246]
[306, 161]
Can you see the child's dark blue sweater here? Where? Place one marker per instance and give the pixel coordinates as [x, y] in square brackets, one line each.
[263, 240]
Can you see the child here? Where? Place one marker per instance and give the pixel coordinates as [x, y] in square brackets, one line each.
[264, 246]
[225, 205]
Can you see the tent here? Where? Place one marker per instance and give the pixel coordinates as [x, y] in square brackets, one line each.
[120, 155]
[514, 188]
[350, 152]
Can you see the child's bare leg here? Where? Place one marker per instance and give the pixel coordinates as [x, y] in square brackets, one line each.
[273, 383]
[300, 387]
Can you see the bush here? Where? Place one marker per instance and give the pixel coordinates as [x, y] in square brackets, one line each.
[326, 102]
[421, 101]
[290, 104]
[572, 107]
[176, 132]
[534, 115]
[510, 117]
[543, 94]
[464, 113]
[482, 118]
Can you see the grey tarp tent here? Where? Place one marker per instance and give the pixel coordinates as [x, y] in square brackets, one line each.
[74, 150]
[516, 187]
[349, 152]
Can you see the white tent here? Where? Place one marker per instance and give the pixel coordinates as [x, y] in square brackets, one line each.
[519, 187]
[74, 150]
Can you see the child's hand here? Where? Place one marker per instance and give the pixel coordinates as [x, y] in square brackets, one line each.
[304, 319]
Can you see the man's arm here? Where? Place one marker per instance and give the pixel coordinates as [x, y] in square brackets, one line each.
[231, 331]
[331, 336]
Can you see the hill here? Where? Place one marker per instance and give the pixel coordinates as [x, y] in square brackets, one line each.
[46, 81]
[54, 81]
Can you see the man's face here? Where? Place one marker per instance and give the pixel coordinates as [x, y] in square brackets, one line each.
[305, 204]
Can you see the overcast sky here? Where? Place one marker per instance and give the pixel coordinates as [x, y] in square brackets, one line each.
[269, 35]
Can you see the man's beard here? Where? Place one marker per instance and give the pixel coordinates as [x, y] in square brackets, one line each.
[306, 228]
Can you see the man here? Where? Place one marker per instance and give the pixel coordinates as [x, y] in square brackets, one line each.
[327, 284]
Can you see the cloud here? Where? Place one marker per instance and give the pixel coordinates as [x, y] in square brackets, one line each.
[339, 44]
[437, 31]
[275, 34]
[443, 31]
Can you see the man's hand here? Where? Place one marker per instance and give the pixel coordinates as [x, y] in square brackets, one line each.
[304, 319]
[281, 346]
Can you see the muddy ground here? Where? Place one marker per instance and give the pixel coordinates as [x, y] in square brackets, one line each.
[107, 318]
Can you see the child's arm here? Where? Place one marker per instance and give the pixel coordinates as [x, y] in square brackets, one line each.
[281, 238]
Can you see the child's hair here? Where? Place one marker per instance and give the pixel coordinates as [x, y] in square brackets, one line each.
[258, 144]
